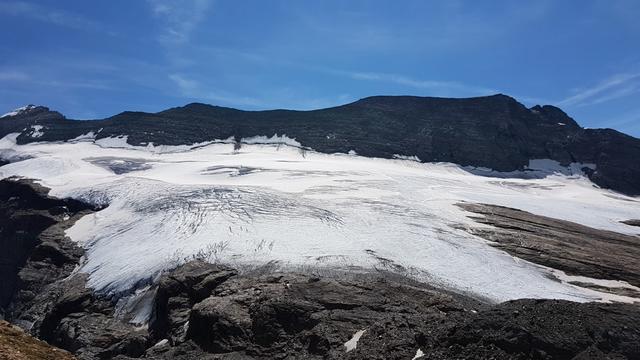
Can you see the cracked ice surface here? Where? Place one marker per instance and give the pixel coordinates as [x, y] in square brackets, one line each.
[303, 209]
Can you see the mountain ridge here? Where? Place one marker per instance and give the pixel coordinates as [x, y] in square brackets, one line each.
[494, 132]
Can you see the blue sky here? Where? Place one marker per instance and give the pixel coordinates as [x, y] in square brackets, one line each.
[92, 59]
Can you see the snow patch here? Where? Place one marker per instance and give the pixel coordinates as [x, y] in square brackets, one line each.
[275, 139]
[418, 355]
[36, 131]
[84, 137]
[406, 157]
[162, 342]
[352, 344]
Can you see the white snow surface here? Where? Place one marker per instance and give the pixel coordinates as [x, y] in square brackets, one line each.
[36, 131]
[406, 157]
[352, 344]
[302, 209]
[419, 354]
[275, 139]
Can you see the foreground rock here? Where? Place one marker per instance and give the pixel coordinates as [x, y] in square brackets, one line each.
[16, 345]
[293, 316]
[206, 311]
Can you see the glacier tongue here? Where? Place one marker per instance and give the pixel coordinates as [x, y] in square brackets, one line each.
[264, 203]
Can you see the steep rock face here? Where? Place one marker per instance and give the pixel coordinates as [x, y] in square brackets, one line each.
[27, 231]
[494, 131]
[615, 155]
[40, 291]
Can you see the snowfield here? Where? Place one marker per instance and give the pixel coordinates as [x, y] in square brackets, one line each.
[276, 202]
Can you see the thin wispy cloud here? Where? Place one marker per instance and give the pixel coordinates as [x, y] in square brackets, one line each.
[17, 77]
[193, 89]
[435, 86]
[628, 122]
[180, 18]
[278, 98]
[614, 87]
[13, 75]
[49, 15]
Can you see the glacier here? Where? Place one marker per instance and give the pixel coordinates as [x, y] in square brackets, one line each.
[270, 201]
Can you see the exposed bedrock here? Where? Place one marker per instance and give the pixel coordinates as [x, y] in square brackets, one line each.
[32, 227]
[632, 222]
[575, 249]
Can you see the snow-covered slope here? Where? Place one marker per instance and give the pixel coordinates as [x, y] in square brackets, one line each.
[273, 202]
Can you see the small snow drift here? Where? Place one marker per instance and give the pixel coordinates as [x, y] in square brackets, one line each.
[352, 344]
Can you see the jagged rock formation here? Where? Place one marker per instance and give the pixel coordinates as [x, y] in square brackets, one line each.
[495, 132]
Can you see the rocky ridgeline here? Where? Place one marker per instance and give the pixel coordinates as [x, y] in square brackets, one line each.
[209, 311]
[495, 132]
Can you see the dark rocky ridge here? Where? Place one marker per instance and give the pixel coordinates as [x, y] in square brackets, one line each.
[495, 132]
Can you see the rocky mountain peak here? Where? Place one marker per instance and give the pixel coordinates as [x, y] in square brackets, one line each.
[554, 115]
[27, 109]
[31, 111]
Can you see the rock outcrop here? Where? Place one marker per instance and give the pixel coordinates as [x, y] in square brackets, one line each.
[575, 249]
[32, 227]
